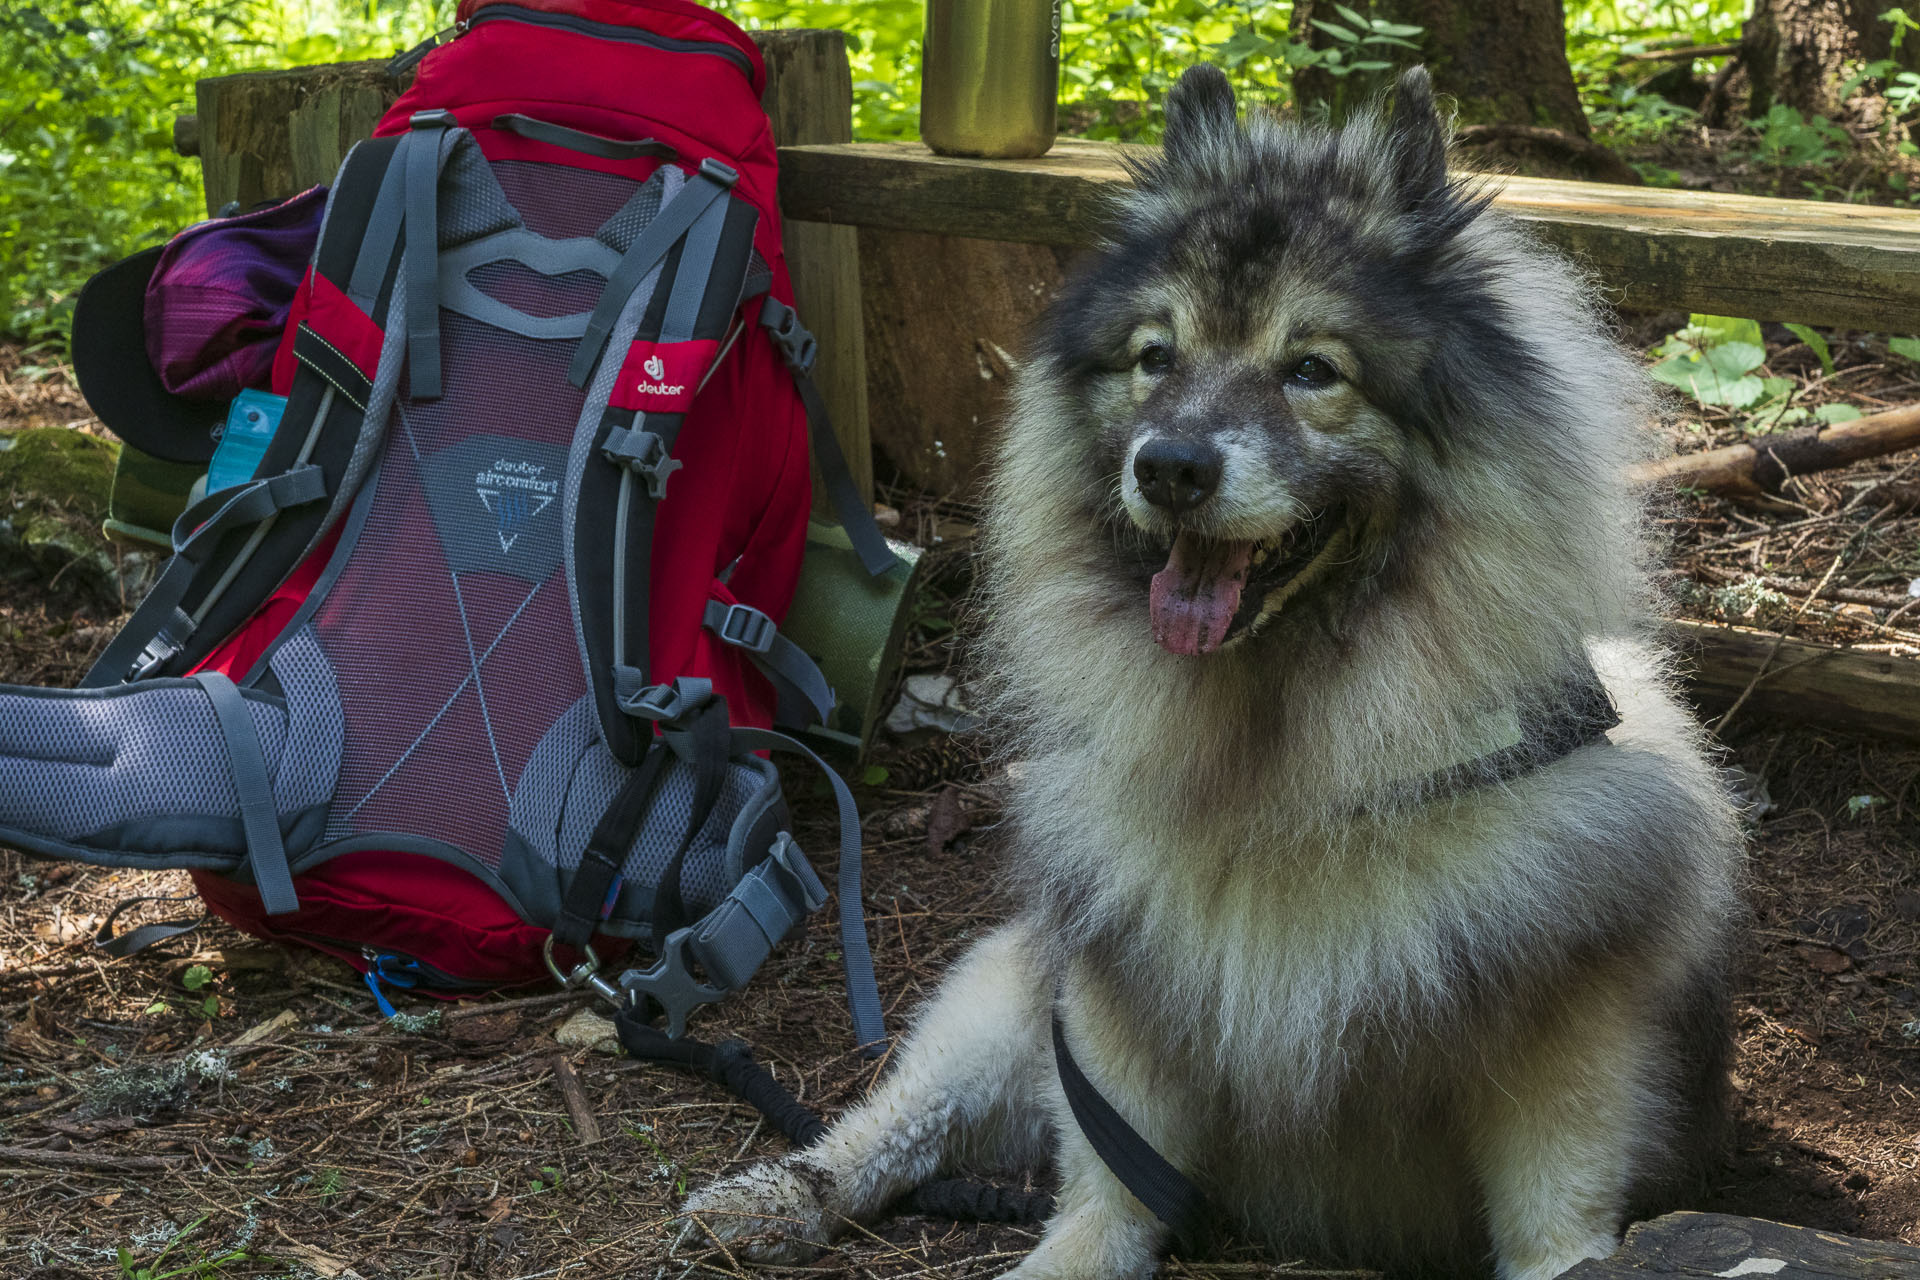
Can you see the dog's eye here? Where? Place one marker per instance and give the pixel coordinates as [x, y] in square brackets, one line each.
[1314, 371]
[1156, 357]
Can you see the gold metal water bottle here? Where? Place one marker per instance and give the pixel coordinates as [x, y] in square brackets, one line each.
[990, 77]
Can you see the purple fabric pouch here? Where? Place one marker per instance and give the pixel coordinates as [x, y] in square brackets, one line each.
[219, 296]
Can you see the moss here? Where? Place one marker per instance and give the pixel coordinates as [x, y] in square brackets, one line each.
[70, 470]
[54, 487]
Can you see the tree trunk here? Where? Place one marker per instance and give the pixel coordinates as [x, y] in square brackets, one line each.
[1800, 53]
[1502, 61]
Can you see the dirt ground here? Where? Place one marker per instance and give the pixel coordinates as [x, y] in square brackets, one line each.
[223, 1107]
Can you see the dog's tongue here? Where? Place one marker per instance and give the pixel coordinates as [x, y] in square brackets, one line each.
[1195, 597]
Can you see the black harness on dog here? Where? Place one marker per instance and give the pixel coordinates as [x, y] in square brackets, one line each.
[1580, 717]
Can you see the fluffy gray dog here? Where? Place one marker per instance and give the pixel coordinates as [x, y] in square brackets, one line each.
[1309, 532]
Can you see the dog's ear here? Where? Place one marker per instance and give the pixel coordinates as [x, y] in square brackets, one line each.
[1199, 109]
[1418, 139]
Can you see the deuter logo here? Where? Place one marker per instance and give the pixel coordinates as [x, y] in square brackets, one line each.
[660, 377]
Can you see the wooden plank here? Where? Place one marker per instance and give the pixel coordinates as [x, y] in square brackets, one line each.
[809, 98]
[1814, 683]
[1720, 1245]
[267, 135]
[1849, 266]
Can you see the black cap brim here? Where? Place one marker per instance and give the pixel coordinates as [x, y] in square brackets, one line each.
[110, 363]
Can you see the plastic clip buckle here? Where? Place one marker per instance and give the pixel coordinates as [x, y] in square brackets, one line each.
[745, 627]
[797, 346]
[643, 453]
[438, 118]
[715, 171]
[669, 703]
[670, 984]
[159, 651]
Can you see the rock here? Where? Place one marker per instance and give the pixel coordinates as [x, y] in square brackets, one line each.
[588, 1030]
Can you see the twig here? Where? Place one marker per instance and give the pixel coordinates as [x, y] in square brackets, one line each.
[88, 1160]
[584, 1123]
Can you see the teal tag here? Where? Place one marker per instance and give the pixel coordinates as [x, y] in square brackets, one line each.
[251, 422]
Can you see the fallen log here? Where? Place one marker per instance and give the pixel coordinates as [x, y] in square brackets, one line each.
[1802, 681]
[1719, 1244]
[1761, 467]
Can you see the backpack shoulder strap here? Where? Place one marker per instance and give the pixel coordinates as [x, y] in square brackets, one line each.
[235, 547]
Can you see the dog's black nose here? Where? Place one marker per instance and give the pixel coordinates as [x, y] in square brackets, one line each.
[1176, 474]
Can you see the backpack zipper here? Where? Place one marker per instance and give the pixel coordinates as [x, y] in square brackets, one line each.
[607, 31]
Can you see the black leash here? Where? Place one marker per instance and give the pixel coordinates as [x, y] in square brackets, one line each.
[730, 1064]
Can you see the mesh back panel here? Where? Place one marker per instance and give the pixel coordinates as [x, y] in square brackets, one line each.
[526, 290]
[559, 202]
[450, 678]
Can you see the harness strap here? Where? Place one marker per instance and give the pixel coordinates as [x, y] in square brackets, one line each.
[1165, 1192]
[259, 817]
[382, 237]
[711, 182]
[422, 148]
[805, 696]
[798, 348]
[143, 936]
[160, 628]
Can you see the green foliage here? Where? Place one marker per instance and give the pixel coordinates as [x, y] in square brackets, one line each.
[1908, 348]
[201, 1268]
[1789, 139]
[87, 168]
[1816, 344]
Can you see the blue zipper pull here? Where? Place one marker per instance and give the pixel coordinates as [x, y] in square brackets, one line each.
[395, 971]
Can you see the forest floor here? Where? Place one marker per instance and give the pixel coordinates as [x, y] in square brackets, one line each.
[222, 1104]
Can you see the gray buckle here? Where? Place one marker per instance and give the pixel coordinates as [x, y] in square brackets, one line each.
[670, 983]
[159, 651]
[438, 118]
[668, 703]
[745, 627]
[782, 323]
[715, 171]
[788, 856]
[643, 453]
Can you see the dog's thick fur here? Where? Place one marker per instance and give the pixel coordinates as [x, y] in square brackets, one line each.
[1428, 1031]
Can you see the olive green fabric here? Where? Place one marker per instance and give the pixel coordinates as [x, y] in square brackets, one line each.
[148, 493]
[852, 624]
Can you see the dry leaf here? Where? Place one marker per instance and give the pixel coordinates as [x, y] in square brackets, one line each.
[1825, 959]
[265, 1030]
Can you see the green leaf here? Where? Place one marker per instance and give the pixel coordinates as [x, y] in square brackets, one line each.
[1908, 347]
[211, 1006]
[1351, 16]
[1716, 375]
[196, 977]
[875, 775]
[1714, 330]
[1337, 31]
[1398, 29]
[1817, 344]
[1831, 413]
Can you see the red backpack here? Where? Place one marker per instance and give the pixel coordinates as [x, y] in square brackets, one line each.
[476, 678]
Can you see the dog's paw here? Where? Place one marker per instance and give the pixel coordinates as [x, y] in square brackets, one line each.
[771, 1213]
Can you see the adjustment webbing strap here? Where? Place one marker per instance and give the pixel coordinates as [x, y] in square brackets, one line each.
[259, 816]
[798, 349]
[710, 183]
[596, 880]
[863, 995]
[1162, 1189]
[796, 678]
[422, 147]
[703, 742]
[159, 628]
